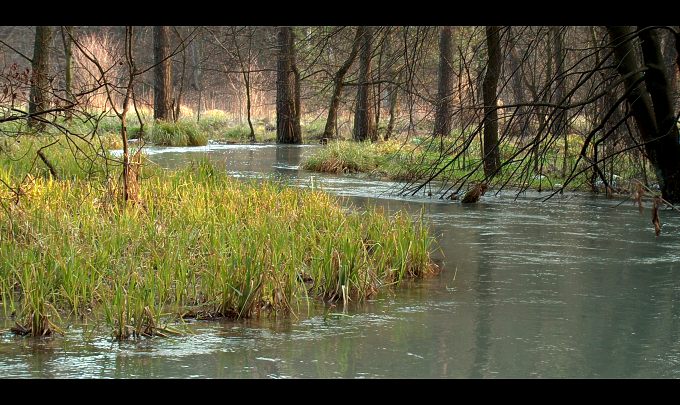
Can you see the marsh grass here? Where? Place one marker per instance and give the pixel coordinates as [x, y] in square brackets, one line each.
[199, 244]
[344, 157]
[417, 158]
[180, 133]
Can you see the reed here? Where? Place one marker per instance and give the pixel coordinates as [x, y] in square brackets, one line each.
[200, 244]
[180, 133]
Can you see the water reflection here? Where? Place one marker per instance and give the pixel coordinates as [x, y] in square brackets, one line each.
[288, 159]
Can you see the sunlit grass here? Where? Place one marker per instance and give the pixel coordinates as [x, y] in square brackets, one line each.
[199, 244]
[72, 157]
[420, 158]
[180, 133]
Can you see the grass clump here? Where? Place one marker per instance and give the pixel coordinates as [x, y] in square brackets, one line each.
[390, 159]
[200, 244]
[417, 158]
[344, 157]
[180, 133]
[237, 133]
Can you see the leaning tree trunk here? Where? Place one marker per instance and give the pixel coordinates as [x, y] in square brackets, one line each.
[331, 120]
[162, 84]
[650, 101]
[364, 120]
[490, 150]
[287, 90]
[39, 99]
[442, 119]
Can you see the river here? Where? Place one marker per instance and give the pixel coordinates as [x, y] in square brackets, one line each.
[577, 286]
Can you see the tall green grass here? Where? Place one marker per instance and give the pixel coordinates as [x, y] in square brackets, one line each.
[180, 133]
[72, 157]
[418, 158]
[200, 244]
[344, 157]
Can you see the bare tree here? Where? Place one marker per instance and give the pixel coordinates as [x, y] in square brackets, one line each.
[560, 128]
[40, 84]
[162, 87]
[66, 35]
[332, 118]
[287, 90]
[364, 121]
[245, 71]
[490, 150]
[650, 98]
[442, 121]
[196, 75]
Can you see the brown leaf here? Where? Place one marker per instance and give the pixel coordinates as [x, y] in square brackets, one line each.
[655, 216]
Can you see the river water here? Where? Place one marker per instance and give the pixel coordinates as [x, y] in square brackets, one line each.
[577, 286]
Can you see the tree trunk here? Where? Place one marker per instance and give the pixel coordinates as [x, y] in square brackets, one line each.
[670, 56]
[364, 121]
[129, 180]
[246, 79]
[521, 119]
[490, 150]
[394, 92]
[541, 111]
[39, 98]
[560, 123]
[245, 72]
[442, 120]
[287, 91]
[298, 104]
[196, 82]
[162, 85]
[178, 101]
[331, 120]
[66, 35]
[650, 101]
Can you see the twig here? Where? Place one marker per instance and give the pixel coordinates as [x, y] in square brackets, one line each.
[659, 197]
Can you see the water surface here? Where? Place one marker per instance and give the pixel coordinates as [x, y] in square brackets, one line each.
[577, 286]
